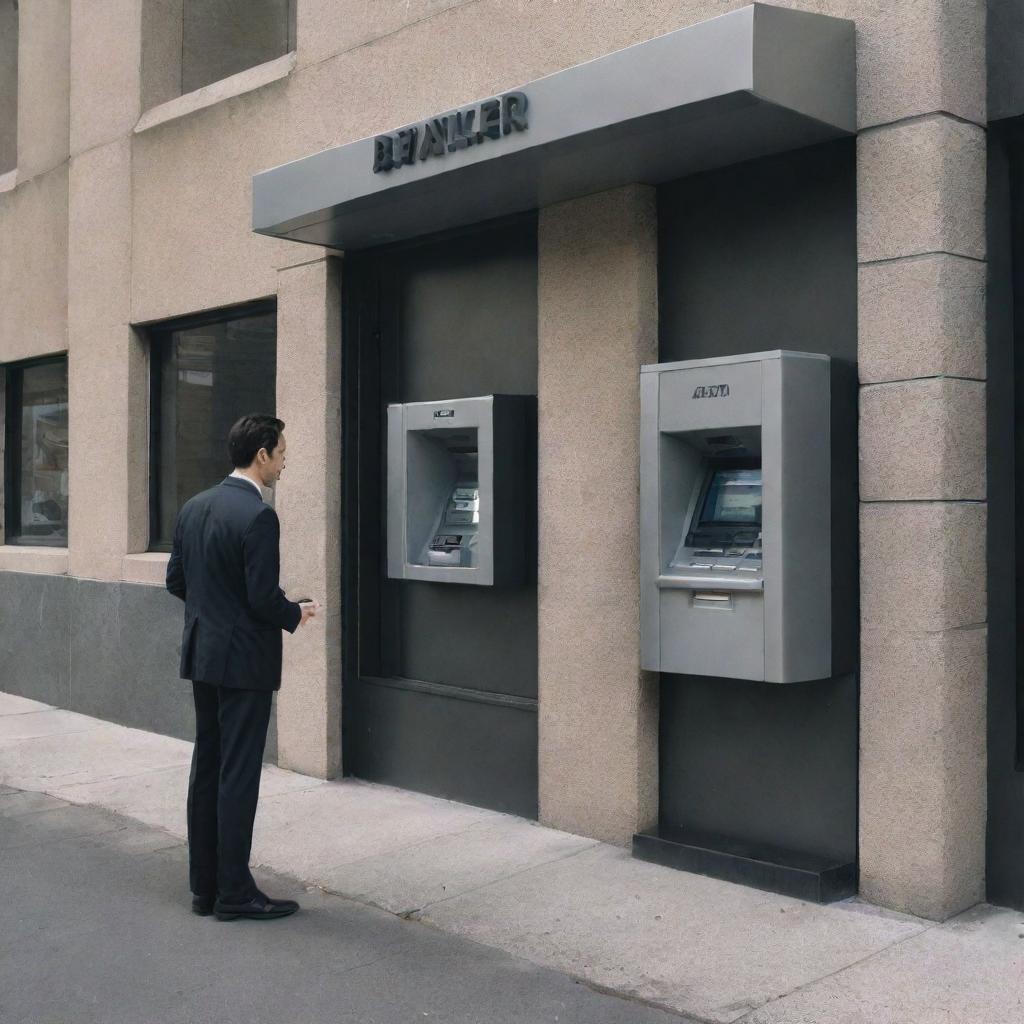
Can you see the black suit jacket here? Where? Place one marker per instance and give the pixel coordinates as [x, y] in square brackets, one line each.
[225, 566]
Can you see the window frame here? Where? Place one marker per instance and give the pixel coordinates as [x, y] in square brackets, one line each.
[160, 333]
[14, 392]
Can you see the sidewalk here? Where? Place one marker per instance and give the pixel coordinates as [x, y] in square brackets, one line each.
[700, 947]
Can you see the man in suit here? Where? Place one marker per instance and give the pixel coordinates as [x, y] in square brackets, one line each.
[225, 565]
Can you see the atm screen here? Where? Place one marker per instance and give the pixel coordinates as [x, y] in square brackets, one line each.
[733, 497]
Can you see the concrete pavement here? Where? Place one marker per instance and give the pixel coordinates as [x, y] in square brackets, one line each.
[95, 931]
[695, 946]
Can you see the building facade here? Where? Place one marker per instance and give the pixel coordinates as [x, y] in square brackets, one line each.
[871, 215]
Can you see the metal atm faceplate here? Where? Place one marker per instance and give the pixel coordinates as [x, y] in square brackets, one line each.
[708, 397]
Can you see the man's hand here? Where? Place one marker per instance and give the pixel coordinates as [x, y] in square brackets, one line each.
[309, 609]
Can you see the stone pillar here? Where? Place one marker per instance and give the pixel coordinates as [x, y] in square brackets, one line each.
[107, 362]
[597, 323]
[921, 247]
[106, 53]
[309, 505]
[44, 54]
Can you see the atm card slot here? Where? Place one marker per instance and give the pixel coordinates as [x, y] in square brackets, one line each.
[709, 582]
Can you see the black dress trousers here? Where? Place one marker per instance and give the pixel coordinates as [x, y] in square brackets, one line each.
[224, 787]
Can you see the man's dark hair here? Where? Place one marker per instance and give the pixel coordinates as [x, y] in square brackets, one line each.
[249, 435]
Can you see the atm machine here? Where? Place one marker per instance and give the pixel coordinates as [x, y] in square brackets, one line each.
[457, 490]
[736, 517]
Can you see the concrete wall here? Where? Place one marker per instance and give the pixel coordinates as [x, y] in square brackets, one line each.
[151, 223]
[921, 247]
[596, 325]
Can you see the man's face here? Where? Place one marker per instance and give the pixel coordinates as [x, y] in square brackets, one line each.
[271, 465]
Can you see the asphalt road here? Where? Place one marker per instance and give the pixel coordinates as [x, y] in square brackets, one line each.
[95, 926]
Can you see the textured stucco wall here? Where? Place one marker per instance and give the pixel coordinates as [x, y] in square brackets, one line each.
[34, 266]
[596, 325]
[921, 247]
[309, 504]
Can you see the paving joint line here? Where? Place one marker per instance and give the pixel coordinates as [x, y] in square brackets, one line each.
[928, 927]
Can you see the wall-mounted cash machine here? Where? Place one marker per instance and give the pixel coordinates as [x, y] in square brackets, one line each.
[456, 490]
[735, 541]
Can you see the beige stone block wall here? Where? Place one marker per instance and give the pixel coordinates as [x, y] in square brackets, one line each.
[597, 324]
[107, 379]
[105, 70]
[923, 439]
[193, 247]
[326, 28]
[309, 505]
[44, 86]
[912, 57]
[921, 817]
[34, 267]
[921, 189]
[922, 317]
[922, 567]
[921, 244]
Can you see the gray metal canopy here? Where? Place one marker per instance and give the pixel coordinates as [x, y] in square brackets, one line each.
[759, 80]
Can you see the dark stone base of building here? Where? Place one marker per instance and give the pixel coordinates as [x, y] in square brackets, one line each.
[109, 650]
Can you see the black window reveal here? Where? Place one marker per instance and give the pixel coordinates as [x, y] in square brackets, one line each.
[219, 38]
[205, 374]
[36, 453]
[8, 85]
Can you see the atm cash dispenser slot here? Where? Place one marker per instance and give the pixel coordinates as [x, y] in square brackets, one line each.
[456, 490]
[735, 517]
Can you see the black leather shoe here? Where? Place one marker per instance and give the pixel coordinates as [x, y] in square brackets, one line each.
[259, 908]
[202, 905]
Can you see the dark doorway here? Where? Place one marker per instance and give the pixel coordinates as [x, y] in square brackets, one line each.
[440, 680]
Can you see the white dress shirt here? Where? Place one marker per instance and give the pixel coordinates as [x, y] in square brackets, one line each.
[241, 476]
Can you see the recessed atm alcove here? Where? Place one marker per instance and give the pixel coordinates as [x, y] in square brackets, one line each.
[456, 489]
[736, 517]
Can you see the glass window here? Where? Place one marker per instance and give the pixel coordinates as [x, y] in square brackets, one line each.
[37, 453]
[205, 375]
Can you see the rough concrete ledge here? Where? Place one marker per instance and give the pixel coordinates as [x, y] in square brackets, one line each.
[227, 88]
[44, 560]
[149, 567]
